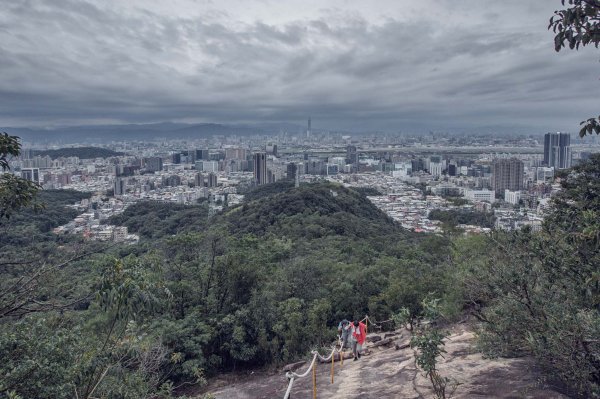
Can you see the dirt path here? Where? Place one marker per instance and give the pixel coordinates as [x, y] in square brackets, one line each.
[390, 373]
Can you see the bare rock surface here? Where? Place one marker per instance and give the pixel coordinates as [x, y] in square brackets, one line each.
[387, 372]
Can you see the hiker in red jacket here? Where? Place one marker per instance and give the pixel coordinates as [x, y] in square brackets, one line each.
[359, 335]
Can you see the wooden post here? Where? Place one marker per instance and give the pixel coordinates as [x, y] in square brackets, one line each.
[332, 364]
[314, 375]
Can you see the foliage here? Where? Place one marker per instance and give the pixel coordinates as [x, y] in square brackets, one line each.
[99, 352]
[311, 211]
[538, 293]
[578, 25]
[39, 357]
[428, 339]
[80, 152]
[9, 147]
[34, 271]
[257, 285]
[152, 219]
[39, 223]
[121, 360]
[267, 190]
[15, 192]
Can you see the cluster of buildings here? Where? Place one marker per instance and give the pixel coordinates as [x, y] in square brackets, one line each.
[512, 178]
[91, 221]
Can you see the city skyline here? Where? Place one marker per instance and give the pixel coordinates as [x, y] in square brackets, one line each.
[390, 66]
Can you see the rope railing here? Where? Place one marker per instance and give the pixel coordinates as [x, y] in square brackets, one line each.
[292, 376]
[369, 320]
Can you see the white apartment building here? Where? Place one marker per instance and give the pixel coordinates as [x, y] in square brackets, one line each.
[481, 195]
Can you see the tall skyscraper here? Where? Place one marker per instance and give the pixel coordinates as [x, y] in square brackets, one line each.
[292, 169]
[119, 186]
[557, 150]
[260, 168]
[212, 180]
[507, 174]
[31, 174]
[352, 158]
[202, 155]
[153, 164]
[199, 180]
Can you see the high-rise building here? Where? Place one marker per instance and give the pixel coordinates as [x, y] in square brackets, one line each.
[31, 174]
[63, 179]
[332, 169]
[435, 165]
[207, 166]
[417, 164]
[153, 164]
[260, 168]
[202, 155]
[352, 158]
[315, 167]
[272, 149]
[557, 150]
[292, 169]
[235, 153]
[270, 176]
[451, 170]
[507, 174]
[212, 180]
[435, 169]
[119, 186]
[199, 180]
[171, 181]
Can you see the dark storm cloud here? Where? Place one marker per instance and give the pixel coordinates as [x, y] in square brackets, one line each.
[69, 61]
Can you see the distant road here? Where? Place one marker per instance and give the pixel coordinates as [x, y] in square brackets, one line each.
[421, 150]
[460, 150]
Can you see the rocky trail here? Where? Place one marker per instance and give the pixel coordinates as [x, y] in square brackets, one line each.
[389, 372]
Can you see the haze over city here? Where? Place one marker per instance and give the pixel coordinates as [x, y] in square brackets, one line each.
[412, 66]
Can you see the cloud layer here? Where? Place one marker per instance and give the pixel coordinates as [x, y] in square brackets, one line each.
[368, 65]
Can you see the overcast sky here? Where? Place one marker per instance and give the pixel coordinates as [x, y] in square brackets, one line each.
[393, 65]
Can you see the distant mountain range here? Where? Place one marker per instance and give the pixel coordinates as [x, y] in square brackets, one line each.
[95, 134]
[103, 133]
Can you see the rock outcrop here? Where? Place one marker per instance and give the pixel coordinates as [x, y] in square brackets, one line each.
[388, 370]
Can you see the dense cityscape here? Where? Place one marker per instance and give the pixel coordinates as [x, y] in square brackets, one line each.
[511, 178]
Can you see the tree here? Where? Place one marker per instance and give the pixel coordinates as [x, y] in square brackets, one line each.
[578, 25]
[15, 192]
[538, 293]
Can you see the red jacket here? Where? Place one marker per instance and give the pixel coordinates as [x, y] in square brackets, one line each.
[360, 333]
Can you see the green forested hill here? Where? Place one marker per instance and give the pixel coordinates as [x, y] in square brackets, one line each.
[158, 219]
[311, 211]
[29, 226]
[80, 152]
